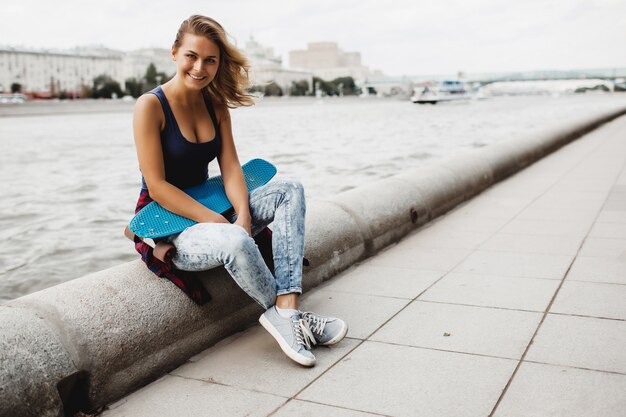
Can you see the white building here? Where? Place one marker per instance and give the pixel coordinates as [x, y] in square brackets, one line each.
[328, 62]
[266, 67]
[136, 62]
[48, 72]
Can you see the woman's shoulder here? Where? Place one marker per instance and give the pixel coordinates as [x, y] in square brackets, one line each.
[149, 106]
[148, 102]
[221, 110]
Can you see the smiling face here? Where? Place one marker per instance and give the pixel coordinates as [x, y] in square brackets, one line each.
[197, 60]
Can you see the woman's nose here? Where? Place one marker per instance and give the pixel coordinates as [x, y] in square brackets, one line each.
[197, 66]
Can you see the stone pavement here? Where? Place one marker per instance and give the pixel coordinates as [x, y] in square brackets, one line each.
[513, 304]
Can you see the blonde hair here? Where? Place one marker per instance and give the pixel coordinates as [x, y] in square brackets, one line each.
[231, 81]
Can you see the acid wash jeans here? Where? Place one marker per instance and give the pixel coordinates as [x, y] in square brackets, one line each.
[208, 245]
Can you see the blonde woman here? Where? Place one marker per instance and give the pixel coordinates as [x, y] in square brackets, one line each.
[179, 127]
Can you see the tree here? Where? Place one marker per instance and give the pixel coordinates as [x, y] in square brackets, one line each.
[105, 87]
[16, 88]
[152, 78]
[348, 86]
[328, 88]
[134, 87]
[273, 89]
[299, 88]
[151, 75]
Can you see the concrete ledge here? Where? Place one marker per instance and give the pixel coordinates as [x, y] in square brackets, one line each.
[88, 342]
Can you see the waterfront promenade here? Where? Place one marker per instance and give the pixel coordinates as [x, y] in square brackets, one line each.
[512, 304]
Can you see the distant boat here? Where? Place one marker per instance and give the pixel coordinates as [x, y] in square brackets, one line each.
[439, 91]
[12, 98]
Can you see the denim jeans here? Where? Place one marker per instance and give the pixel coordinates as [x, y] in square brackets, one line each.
[207, 245]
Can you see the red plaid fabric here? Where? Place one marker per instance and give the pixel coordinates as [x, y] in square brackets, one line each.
[188, 282]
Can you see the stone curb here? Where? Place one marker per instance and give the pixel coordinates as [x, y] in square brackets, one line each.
[90, 341]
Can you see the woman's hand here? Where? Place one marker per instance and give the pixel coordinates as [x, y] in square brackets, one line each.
[213, 217]
[244, 220]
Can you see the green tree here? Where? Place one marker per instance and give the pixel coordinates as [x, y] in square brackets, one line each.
[104, 87]
[151, 75]
[16, 88]
[133, 87]
[299, 88]
[273, 89]
[347, 85]
[327, 87]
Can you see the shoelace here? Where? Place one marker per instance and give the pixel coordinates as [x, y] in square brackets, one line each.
[303, 333]
[316, 323]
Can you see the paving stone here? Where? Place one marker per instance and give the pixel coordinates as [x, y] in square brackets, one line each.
[474, 224]
[604, 248]
[571, 200]
[436, 237]
[588, 268]
[553, 215]
[436, 259]
[575, 229]
[616, 205]
[612, 216]
[481, 330]
[363, 313]
[530, 265]
[309, 409]
[493, 291]
[610, 230]
[540, 390]
[490, 206]
[554, 245]
[408, 381]
[383, 281]
[180, 397]
[253, 360]
[582, 342]
[591, 299]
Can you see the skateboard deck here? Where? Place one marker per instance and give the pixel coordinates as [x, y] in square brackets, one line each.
[153, 221]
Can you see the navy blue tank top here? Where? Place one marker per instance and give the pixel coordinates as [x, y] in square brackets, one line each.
[186, 163]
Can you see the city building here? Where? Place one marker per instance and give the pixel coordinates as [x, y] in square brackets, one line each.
[327, 61]
[266, 67]
[136, 62]
[49, 72]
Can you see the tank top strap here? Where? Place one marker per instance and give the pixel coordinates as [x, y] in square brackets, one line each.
[167, 110]
[209, 105]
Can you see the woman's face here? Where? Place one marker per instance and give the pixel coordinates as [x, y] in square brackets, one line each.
[197, 60]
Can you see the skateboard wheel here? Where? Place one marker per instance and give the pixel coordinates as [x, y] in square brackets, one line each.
[164, 252]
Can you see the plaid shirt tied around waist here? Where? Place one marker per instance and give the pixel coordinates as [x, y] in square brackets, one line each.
[189, 282]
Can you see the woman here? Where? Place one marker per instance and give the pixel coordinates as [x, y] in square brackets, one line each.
[182, 125]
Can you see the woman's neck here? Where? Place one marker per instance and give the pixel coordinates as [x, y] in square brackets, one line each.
[177, 91]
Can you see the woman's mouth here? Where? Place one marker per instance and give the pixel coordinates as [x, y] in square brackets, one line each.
[197, 78]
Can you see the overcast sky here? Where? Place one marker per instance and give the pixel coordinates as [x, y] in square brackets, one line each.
[399, 37]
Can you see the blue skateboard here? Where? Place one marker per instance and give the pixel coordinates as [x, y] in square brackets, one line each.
[153, 221]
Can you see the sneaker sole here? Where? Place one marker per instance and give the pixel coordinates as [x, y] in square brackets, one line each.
[302, 360]
[337, 338]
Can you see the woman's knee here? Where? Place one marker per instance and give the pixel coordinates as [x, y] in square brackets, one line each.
[293, 188]
[237, 241]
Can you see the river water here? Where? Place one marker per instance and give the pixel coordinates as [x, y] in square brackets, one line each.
[69, 179]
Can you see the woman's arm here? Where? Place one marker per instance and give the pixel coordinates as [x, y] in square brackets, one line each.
[147, 121]
[234, 182]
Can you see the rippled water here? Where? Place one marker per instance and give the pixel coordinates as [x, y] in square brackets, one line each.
[69, 182]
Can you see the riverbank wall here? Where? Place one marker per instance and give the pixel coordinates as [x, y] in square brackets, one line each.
[88, 342]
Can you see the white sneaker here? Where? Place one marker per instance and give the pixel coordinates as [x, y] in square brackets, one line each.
[292, 334]
[326, 330]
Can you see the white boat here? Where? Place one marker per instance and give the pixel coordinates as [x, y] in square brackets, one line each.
[12, 98]
[438, 91]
